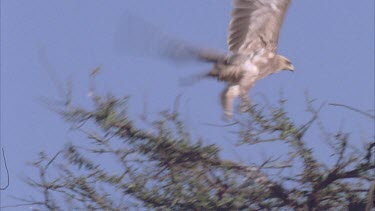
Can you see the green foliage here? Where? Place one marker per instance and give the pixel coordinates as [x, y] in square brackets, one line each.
[124, 167]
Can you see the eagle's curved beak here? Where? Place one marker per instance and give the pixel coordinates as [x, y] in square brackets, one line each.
[291, 68]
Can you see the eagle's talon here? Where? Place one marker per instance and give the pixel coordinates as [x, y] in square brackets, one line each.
[227, 115]
[244, 106]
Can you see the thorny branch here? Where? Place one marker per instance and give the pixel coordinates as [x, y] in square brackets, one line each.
[162, 167]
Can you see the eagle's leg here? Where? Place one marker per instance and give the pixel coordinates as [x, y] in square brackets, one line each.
[245, 99]
[227, 98]
[245, 103]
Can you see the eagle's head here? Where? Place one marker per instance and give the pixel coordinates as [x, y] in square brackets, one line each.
[285, 63]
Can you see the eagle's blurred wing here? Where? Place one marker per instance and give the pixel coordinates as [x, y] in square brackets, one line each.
[256, 24]
[137, 37]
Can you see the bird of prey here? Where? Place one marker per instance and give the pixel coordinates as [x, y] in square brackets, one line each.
[252, 41]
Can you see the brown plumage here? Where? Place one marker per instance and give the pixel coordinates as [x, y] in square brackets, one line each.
[252, 41]
[253, 36]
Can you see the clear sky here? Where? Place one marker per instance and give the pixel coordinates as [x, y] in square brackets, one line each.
[331, 44]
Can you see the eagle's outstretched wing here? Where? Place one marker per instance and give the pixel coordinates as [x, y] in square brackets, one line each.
[256, 24]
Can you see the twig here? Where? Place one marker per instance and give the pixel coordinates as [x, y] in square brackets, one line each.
[217, 125]
[51, 72]
[371, 197]
[6, 168]
[354, 109]
[22, 205]
[54, 157]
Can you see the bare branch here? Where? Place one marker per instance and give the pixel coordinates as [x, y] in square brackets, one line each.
[354, 109]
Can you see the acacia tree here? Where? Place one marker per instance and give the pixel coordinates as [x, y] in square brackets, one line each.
[122, 166]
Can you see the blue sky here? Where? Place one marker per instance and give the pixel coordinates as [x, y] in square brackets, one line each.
[331, 44]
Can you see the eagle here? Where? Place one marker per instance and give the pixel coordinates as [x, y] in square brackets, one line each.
[252, 41]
